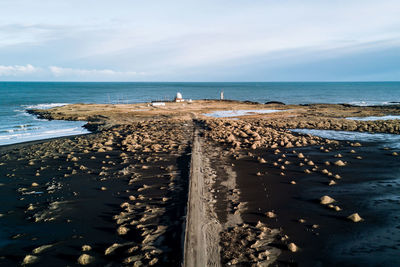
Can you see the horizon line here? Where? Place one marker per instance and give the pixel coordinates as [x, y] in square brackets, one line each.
[44, 81]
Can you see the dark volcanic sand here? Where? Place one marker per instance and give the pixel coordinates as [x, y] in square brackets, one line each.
[73, 210]
[83, 213]
[369, 186]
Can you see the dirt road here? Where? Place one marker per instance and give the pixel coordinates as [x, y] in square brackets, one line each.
[201, 246]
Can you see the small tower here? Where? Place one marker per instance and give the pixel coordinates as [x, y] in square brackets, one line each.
[221, 95]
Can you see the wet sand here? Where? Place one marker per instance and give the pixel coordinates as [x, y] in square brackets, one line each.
[135, 193]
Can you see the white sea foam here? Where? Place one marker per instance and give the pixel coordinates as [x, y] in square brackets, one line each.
[375, 118]
[45, 105]
[66, 130]
[359, 103]
[39, 133]
[237, 113]
[23, 127]
[390, 140]
[372, 103]
[33, 128]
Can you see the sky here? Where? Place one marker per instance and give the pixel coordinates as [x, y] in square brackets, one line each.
[218, 40]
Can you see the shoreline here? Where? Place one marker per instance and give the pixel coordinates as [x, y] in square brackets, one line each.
[22, 126]
[97, 120]
[39, 141]
[132, 178]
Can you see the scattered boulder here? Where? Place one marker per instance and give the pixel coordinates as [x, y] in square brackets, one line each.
[30, 259]
[292, 247]
[133, 259]
[337, 176]
[85, 259]
[112, 248]
[274, 102]
[122, 230]
[153, 261]
[86, 248]
[355, 217]
[332, 182]
[270, 214]
[40, 249]
[340, 163]
[325, 200]
[261, 160]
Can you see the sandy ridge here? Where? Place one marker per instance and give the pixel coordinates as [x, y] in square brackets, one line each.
[201, 246]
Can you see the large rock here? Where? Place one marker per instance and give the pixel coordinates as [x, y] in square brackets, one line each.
[340, 163]
[40, 249]
[325, 200]
[355, 217]
[262, 160]
[292, 247]
[30, 259]
[85, 259]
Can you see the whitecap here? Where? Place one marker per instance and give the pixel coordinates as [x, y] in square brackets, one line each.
[372, 103]
[45, 105]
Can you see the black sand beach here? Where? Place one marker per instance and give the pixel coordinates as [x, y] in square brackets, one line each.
[327, 237]
[73, 202]
[176, 190]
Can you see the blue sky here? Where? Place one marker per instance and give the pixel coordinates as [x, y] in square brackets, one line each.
[223, 40]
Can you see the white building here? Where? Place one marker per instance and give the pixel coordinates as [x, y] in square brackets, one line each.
[179, 97]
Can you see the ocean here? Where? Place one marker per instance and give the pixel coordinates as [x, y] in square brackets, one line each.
[15, 97]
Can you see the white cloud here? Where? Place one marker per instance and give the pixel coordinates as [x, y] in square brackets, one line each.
[60, 72]
[18, 70]
[175, 38]
[31, 71]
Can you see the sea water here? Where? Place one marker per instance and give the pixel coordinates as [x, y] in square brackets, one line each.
[238, 113]
[18, 126]
[375, 118]
[381, 139]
